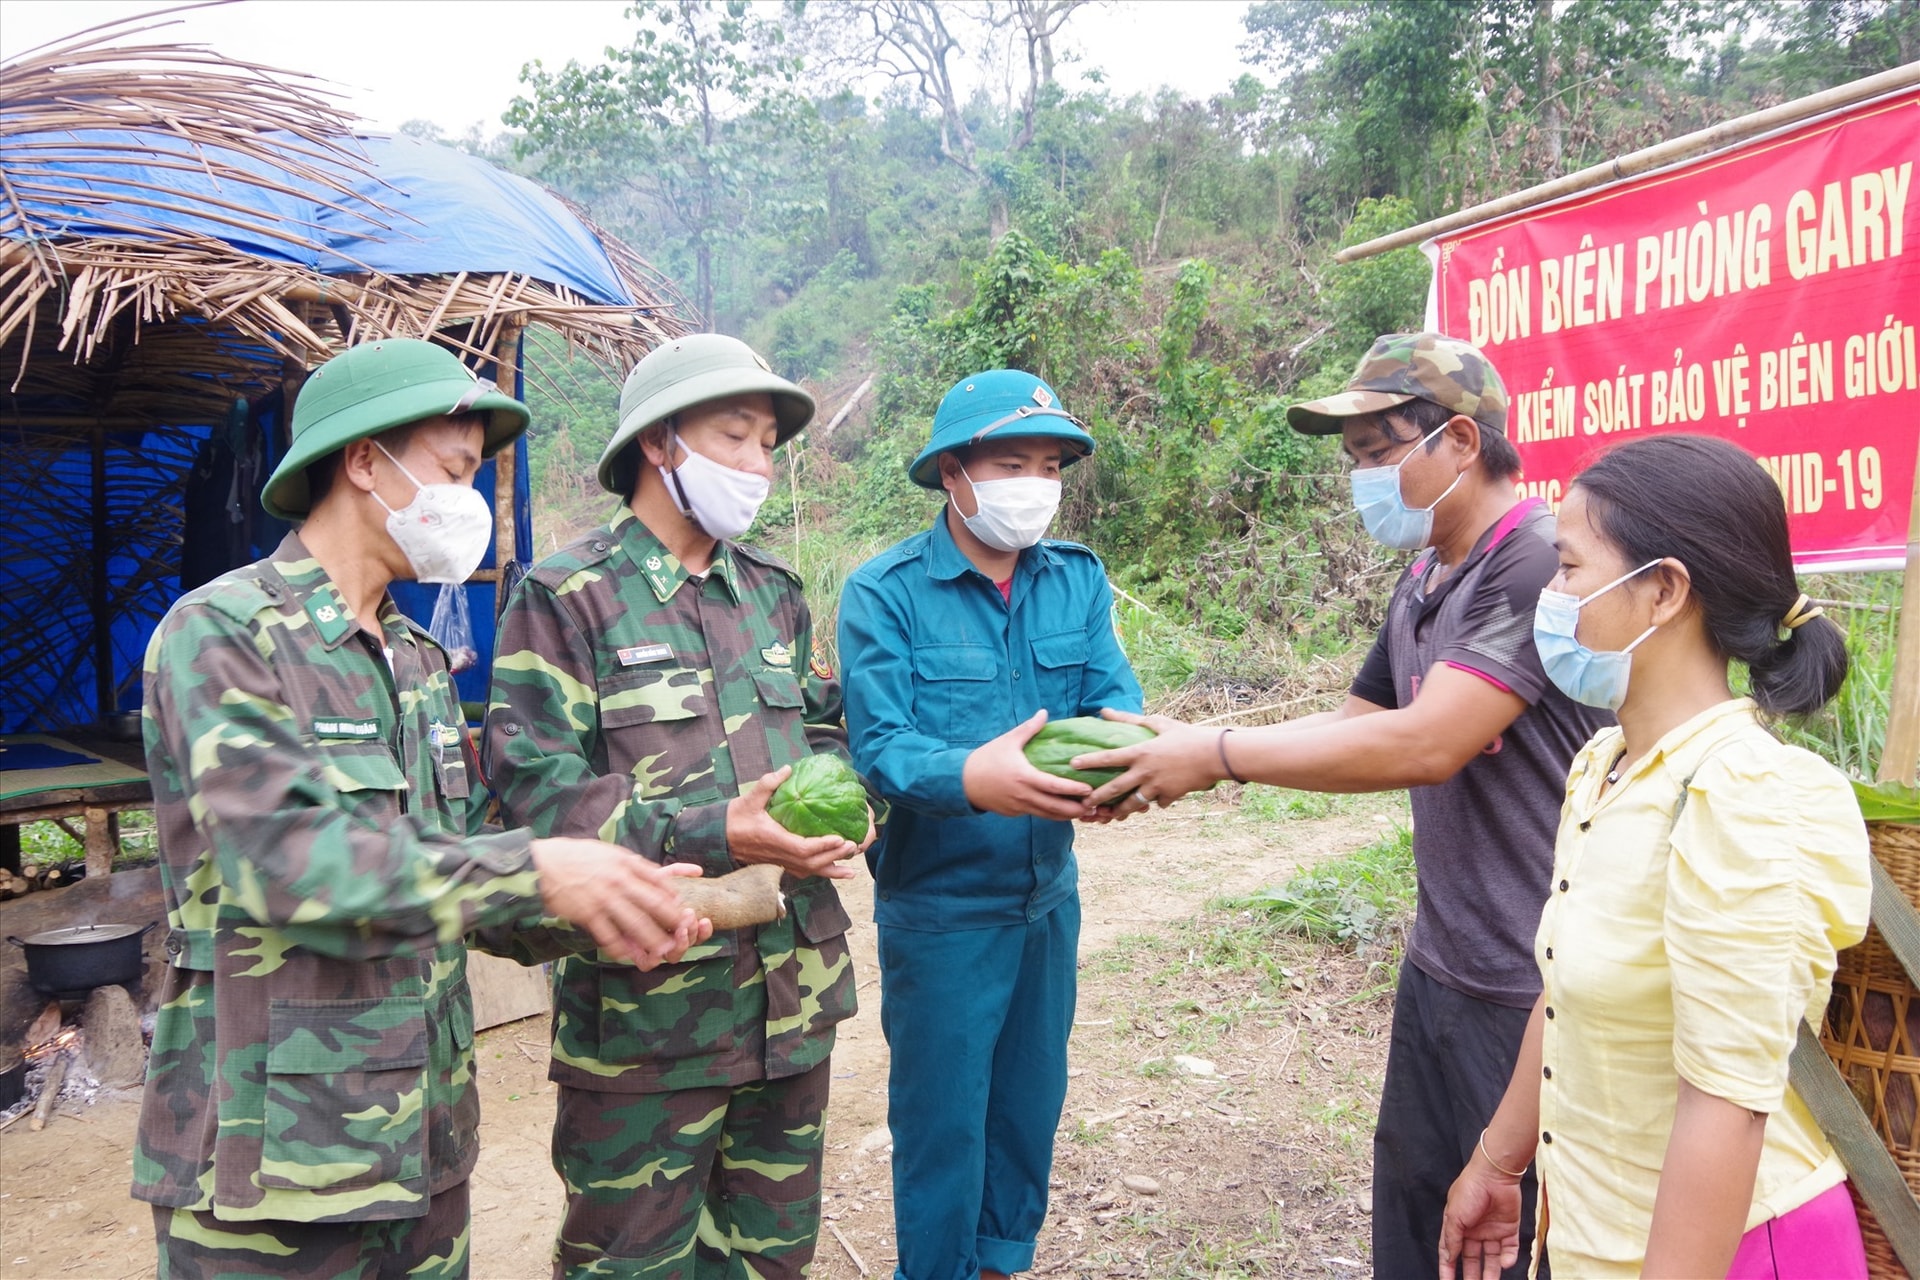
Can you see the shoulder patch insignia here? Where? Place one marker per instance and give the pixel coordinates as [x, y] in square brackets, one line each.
[817, 663]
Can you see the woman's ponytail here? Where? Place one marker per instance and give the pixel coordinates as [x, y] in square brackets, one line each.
[1804, 669]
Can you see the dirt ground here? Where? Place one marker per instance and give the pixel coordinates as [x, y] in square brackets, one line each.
[1217, 1120]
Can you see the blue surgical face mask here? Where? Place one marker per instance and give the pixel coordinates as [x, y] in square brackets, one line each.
[1376, 496]
[1596, 679]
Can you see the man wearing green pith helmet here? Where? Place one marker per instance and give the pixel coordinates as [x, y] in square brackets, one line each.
[311, 1108]
[655, 682]
[959, 644]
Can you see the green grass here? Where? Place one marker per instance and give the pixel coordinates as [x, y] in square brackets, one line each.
[47, 844]
[1197, 986]
[1348, 1119]
[1262, 803]
[1852, 730]
[1363, 899]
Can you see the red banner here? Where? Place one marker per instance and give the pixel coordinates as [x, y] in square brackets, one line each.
[1766, 294]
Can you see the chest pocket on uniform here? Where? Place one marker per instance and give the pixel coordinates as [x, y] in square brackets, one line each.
[651, 695]
[453, 777]
[656, 716]
[778, 688]
[366, 773]
[954, 692]
[1060, 664]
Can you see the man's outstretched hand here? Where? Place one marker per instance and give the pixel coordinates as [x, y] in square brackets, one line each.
[627, 903]
[999, 779]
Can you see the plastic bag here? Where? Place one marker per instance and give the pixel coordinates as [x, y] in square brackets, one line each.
[452, 626]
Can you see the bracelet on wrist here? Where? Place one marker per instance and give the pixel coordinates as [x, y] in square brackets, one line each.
[1498, 1167]
[1225, 765]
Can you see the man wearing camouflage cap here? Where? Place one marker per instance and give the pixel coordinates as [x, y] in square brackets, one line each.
[311, 1107]
[655, 681]
[1452, 704]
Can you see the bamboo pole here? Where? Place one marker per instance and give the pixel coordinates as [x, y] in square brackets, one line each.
[506, 368]
[1900, 759]
[293, 375]
[64, 424]
[1713, 138]
[97, 596]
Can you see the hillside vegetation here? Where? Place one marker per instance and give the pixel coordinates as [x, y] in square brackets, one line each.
[883, 196]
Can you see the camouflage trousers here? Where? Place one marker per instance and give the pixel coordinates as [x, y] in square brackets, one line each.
[198, 1246]
[691, 1184]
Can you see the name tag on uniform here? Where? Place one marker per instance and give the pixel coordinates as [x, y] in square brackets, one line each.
[641, 654]
[346, 728]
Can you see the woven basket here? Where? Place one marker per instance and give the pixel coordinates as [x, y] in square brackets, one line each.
[1872, 1033]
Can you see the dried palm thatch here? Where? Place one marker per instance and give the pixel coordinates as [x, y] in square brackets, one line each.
[242, 128]
[123, 336]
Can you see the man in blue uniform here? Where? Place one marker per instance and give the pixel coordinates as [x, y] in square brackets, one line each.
[957, 645]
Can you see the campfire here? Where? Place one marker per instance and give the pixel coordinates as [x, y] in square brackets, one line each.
[66, 1038]
[64, 1068]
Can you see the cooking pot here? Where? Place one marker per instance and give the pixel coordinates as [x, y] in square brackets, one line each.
[13, 1082]
[76, 960]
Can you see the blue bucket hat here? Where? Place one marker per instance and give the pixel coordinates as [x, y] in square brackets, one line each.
[1004, 402]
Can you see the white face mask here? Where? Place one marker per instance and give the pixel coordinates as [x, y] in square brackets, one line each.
[719, 499]
[1013, 514]
[444, 532]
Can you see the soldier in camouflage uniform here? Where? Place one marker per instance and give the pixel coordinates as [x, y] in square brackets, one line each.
[311, 1108]
[653, 683]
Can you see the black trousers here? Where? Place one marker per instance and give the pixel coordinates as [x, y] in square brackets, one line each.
[1447, 1066]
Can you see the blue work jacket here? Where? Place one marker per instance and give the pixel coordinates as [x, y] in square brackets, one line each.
[934, 663]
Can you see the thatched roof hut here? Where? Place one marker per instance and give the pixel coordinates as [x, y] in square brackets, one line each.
[181, 238]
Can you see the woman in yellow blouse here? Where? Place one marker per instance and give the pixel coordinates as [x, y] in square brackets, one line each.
[1704, 876]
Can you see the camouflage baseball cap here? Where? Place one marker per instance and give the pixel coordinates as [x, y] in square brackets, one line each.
[1412, 366]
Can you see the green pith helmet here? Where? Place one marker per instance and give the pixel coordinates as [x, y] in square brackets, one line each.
[691, 370]
[372, 388]
[1003, 402]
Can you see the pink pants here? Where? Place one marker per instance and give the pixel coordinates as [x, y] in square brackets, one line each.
[1818, 1241]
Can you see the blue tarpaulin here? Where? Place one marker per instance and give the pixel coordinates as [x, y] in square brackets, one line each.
[418, 208]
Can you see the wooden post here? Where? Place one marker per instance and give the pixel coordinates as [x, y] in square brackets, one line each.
[1900, 760]
[506, 368]
[97, 598]
[292, 375]
[103, 840]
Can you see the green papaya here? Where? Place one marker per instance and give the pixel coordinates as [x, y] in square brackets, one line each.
[1053, 748]
[822, 797]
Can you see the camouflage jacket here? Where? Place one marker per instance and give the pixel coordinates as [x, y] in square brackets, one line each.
[631, 702]
[318, 827]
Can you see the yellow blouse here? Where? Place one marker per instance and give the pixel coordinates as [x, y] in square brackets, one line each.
[1687, 946]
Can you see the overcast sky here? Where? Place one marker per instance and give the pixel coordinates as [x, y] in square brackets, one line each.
[458, 64]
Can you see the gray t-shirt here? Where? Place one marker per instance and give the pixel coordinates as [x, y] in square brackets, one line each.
[1483, 839]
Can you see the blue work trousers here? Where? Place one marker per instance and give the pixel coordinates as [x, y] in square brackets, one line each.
[977, 1021]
